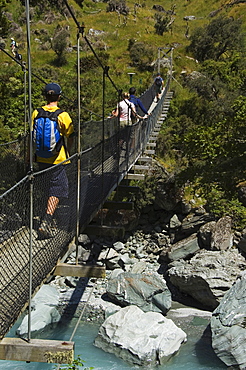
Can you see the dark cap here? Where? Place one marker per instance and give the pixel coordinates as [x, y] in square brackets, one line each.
[53, 89]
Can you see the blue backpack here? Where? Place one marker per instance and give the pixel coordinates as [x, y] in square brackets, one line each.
[46, 133]
[158, 81]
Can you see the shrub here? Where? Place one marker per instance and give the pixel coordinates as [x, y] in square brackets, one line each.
[118, 6]
[142, 55]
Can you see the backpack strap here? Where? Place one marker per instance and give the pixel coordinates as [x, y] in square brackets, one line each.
[45, 113]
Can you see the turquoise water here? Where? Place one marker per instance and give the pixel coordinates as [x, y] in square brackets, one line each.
[196, 354]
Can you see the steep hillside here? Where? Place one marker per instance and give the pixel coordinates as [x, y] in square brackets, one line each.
[116, 32]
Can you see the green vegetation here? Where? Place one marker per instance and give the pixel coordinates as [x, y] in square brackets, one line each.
[203, 141]
[205, 133]
[76, 364]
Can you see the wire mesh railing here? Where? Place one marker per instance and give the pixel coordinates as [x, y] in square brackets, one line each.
[102, 165]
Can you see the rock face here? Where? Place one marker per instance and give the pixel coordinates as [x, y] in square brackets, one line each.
[207, 275]
[140, 338]
[147, 291]
[228, 325]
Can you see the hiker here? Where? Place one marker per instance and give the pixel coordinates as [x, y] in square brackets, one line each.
[127, 113]
[126, 110]
[58, 126]
[13, 45]
[137, 102]
[158, 85]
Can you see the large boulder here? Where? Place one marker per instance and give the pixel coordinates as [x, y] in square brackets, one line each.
[228, 325]
[242, 242]
[216, 236]
[208, 275]
[184, 249]
[140, 338]
[205, 234]
[222, 236]
[146, 290]
[192, 223]
[44, 311]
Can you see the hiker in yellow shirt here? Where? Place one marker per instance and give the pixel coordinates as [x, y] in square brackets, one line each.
[47, 157]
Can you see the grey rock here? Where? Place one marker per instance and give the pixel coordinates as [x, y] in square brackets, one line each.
[228, 325]
[42, 316]
[138, 267]
[158, 228]
[118, 246]
[152, 247]
[205, 234]
[126, 260]
[140, 250]
[242, 241]
[44, 311]
[163, 240]
[200, 211]
[174, 222]
[93, 32]
[113, 263]
[140, 338]
[221, 238]
[208, 275]
[189, 18]
[147, 291]
[84, 239]
[115, 273]
[108, 254]
[192, 223]
[184, 248]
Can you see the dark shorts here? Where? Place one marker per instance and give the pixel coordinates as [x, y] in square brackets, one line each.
[57, 178]
[158, 89]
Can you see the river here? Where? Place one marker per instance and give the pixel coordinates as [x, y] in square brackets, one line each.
[195, 354]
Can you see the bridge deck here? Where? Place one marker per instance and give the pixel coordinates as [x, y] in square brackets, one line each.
[101, 172]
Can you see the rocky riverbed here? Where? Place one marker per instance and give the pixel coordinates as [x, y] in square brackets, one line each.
[176, 252]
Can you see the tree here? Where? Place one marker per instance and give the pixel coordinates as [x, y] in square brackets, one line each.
[162, 24]
[59, 45]
[220, 37]
[118, 6]
[142, 55]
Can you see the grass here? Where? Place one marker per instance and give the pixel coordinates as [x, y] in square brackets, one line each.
[117, 35]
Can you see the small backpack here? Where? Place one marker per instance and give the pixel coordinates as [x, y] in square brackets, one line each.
[46, 133]
[158, 81]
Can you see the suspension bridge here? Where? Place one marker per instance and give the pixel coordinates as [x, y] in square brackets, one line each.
[93, 173]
